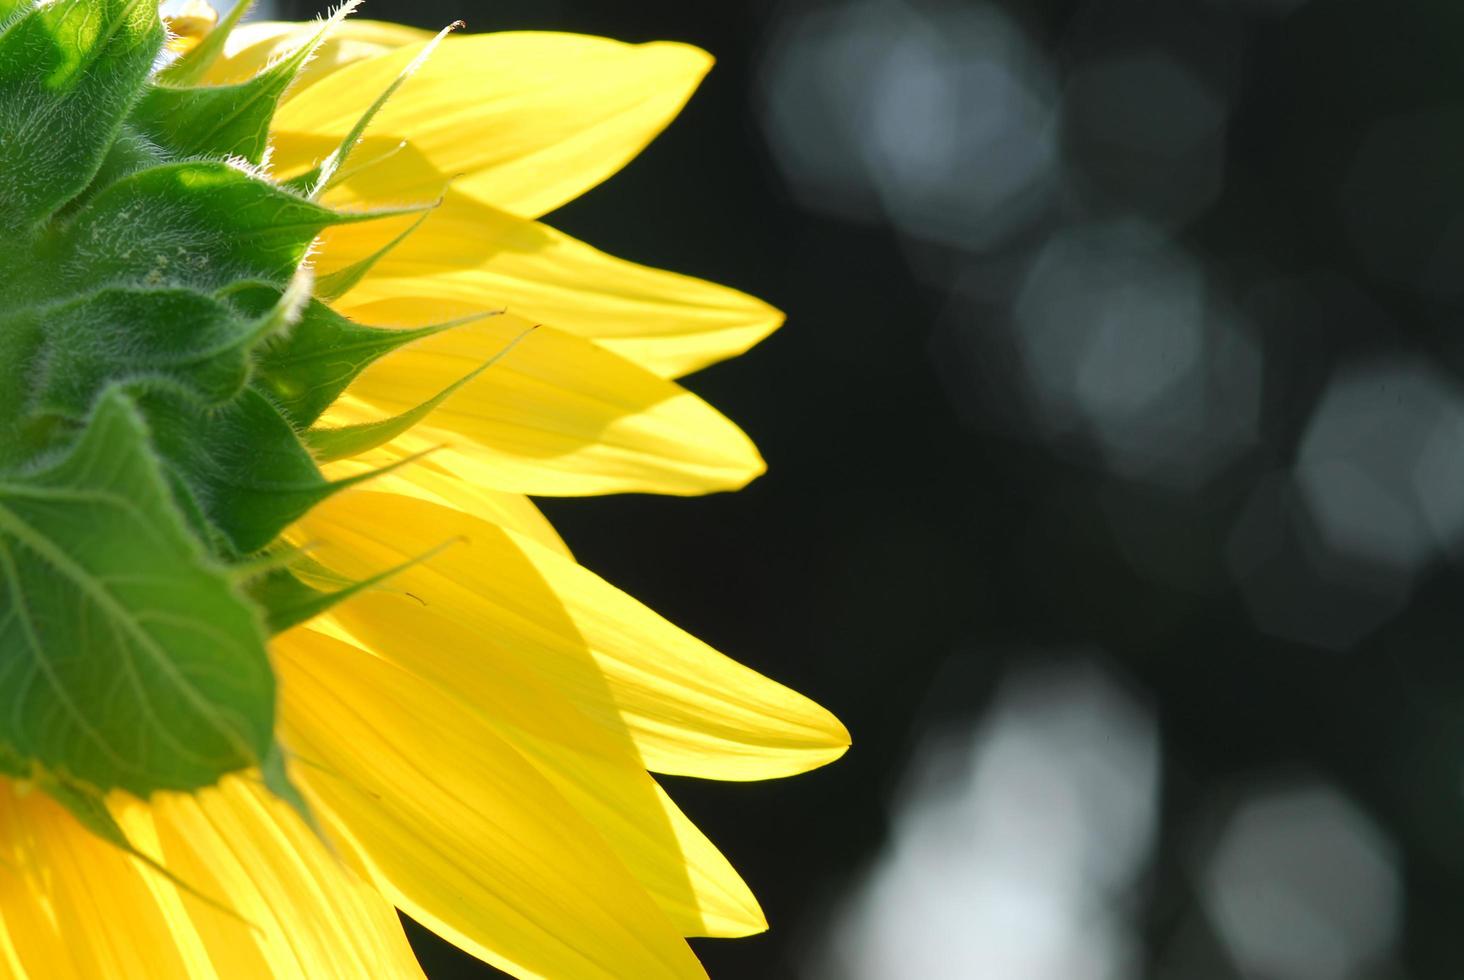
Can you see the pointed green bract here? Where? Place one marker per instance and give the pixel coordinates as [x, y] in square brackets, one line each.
[291, 600]
[352, 440]
[201, 224]
[224, 120]
[305, 370]
[227, 120]
[336, 284]
[245, 460]
[129, 659]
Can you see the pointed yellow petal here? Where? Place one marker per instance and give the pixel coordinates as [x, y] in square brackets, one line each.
[598, 772]
[523, 121]
[253, 46]
[459, 829]
[468, 257]
[557, 416]
[303, 913]
[427, 479]
[72, 905]
[688, 709]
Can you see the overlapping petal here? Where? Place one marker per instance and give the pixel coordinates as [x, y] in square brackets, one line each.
[470, 257]
[556, 416]
[72, 905]
[253, 46]
[461, 831]
[429, 480]
[549, 116]
[688, 709]
[474, 735]
[598, 772]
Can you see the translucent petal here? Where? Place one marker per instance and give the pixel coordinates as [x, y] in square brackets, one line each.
[73, 905]
[522, 121]
[468, 257]
[557, 416]
[598, 772]
[688, 709]
[311, 916]
[459, 829]
[428, 480]
[253, 46]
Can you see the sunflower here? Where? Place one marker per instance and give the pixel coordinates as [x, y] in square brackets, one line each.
[284, 644]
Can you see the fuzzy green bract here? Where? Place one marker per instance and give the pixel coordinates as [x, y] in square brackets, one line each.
[161, 365]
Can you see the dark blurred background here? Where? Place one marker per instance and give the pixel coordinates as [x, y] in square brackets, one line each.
[1116, 498]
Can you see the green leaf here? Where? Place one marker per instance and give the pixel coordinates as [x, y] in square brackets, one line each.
[68, 72]
[127, 658]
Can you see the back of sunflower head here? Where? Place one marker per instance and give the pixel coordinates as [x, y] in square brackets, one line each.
[160, 373]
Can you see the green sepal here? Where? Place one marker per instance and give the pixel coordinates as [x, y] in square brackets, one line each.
[287, 602]
[351, 440]
[333, 285]
[199, 224]
[305, 370]
[225, 120]
[193, 345]
[251, 474]
[128, 659]
[245, 466]
[188, 340]
[69, 70]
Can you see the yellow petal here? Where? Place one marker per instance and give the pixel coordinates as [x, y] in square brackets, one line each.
[688, 709]
[427, 479]
[303, 913]
[253, 46]
[523, 121]
[72, 905]
[598, 772]
[459, 829]
[189, 24]
[468, 257]
[557, 416]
